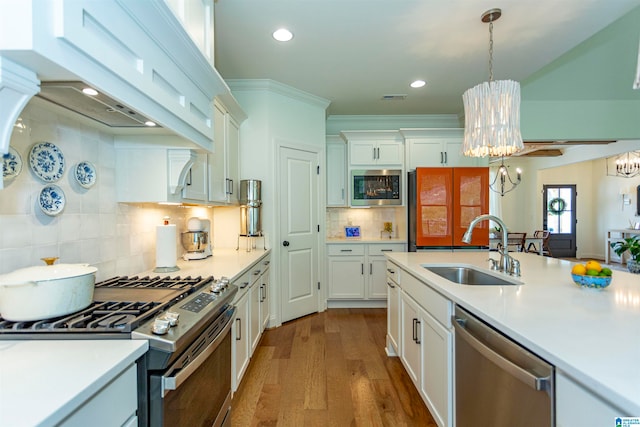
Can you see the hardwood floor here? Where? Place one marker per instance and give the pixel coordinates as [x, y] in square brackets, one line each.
[328, 369]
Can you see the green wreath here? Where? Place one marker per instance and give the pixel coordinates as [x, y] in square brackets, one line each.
[556, 206]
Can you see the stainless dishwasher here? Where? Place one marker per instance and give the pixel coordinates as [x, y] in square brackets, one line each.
[498, 383]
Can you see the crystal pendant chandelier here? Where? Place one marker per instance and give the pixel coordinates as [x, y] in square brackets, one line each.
[502, 183]
[627, 165]
[492, 111]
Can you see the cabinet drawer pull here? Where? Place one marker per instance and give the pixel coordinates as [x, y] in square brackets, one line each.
[244, 285]
[238, 329]
[346, 250]
[386, 250]
[414, 329]
[390, 285]
[370, 268]
[391, 271]
[417, 332]
[362, 269]
[256, 272]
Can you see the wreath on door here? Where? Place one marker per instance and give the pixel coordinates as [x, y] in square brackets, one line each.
[556, 206]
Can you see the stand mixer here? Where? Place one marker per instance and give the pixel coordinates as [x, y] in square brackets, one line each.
[196, 241]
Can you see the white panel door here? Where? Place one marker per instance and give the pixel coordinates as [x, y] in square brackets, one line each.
[298, 183]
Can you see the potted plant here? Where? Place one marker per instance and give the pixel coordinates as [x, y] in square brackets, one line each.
[631, 244]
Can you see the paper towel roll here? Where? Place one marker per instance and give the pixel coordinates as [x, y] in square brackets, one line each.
[166, 247]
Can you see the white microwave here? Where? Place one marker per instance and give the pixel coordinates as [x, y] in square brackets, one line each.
[380, 187]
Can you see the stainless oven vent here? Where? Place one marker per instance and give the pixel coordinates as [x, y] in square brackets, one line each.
[100, 107]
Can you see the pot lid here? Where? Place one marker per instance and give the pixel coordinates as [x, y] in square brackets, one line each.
[46, 272]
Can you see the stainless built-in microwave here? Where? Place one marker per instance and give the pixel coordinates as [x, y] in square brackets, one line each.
[380, 187]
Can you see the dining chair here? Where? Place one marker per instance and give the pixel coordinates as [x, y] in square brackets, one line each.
[544, 235]
[516, 241]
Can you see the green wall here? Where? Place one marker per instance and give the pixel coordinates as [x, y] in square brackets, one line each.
[587, 94]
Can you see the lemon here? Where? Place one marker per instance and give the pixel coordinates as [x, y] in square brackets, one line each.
[593, 265]
[606, 271]
[592, 272]
[579, 269]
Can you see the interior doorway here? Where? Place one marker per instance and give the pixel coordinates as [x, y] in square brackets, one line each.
[559, 217]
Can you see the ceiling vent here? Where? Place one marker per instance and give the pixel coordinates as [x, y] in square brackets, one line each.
[400, 97]
[100, 107]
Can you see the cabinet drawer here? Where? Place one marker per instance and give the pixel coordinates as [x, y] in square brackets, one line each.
[380, 249]
[353, 249]
[435, 304]
[393, 272]
[242, 282]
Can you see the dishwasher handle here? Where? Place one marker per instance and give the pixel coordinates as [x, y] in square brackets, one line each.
[531, 380]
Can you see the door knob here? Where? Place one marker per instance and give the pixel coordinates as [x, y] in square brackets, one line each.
[285, 243]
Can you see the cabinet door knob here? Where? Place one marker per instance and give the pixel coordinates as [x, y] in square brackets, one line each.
[285, 243]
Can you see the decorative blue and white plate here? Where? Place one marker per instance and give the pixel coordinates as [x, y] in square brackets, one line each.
[85, 174]
[46, 161]
[52, 200]
[11, 164]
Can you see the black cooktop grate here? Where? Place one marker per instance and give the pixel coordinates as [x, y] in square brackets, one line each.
[119, 317]
[189, 283]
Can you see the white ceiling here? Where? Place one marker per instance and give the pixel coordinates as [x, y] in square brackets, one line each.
[352, 52]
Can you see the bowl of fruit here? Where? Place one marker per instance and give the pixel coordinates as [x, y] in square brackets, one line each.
[591, 275]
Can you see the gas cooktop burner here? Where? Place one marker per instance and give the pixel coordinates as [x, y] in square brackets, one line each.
[120, 305]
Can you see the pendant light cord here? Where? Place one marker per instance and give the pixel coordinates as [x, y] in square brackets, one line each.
[491, 50]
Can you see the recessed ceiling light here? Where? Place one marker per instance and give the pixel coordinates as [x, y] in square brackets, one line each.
[89, 91]
[282, 35]
[150, 123]
[418, 83]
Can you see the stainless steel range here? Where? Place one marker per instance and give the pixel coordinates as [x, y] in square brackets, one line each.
[187, 322]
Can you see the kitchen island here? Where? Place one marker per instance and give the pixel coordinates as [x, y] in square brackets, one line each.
[44, 383]
[591, 336]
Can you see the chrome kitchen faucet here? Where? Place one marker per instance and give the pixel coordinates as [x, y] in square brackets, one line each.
[507, 263]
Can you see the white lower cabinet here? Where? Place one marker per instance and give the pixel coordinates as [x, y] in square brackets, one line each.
[393, 310]
[579, 406]
[411, 330]
[114, 405]
[240, 340]
[252, 316]
[255, 323]
[437, 369]
[426, 345]
[358, 271]
[264, 299]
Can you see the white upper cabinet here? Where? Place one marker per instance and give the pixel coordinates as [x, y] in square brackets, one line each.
[437, 147]
[196, 16]
[155, 57]
[336, 171]
[224, 162]
[375, 149]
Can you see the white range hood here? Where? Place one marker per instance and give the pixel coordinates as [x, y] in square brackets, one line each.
[135, 52]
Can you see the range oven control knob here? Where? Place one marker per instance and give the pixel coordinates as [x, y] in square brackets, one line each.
[160, 326]
[172, 317]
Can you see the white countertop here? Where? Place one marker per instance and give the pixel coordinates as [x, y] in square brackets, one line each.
[592, 335]
[224, 262]
[42, 382]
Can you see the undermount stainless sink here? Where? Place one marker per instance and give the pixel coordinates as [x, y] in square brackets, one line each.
[468, 276]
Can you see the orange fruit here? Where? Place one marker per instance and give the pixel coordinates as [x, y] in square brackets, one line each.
[593, 265]
[579, 269]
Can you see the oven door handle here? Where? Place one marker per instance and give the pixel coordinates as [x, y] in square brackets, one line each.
[173, 382]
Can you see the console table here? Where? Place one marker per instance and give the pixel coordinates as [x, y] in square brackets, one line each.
[614, 236]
